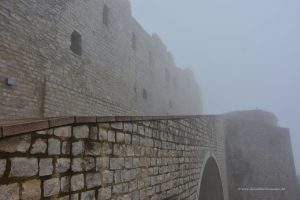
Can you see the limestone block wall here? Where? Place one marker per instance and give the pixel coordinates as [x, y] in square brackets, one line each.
[108, 157]
[86, 58]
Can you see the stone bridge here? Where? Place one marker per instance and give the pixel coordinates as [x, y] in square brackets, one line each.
[172, 157]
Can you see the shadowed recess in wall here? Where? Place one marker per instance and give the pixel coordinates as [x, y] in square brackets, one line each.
[211, 186]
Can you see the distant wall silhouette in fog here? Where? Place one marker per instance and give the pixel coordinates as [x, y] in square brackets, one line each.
[259, 156]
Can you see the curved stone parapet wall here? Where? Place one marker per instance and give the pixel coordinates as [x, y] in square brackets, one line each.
[89, 57]
[127, 158]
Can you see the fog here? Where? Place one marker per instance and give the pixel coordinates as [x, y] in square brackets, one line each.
[245, 54]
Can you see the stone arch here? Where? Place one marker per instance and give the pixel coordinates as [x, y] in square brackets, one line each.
[210, 184]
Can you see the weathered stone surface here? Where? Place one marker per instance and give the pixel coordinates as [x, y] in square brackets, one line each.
[31, 189]
[93, 132]
[77, 148]
[66, 147]
[93, 148]
[136, 195]
[74, 196]
[39, 146]
[111, 136]
[51, 187]
[117, 189]
[65, 198]
[77, 182]
[64, 132]
[128, 138]
[127, 127]
[118, 126]
[124, 197]
[116, 163]
[65, 184]
[119, 150]
[45, 166]
[10, 192]
[77, 165]
[120, 137]
[24, 167]
[107, 148]
[2, 166]
[89, 163]
[62, 165]
[102, 163]
[130, 174]
[93, 180]
[53, 146]
[103, 134]
[45, 132]
[81, 131]
[15, 144]
[89, 195]
[128, 163]
[107, 177]
[104, 193]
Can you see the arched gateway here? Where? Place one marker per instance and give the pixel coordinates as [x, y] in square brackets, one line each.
[211, 185]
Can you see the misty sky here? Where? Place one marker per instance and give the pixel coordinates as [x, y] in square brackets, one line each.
[245, 54]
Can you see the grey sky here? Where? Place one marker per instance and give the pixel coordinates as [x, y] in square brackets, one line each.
[245, 54]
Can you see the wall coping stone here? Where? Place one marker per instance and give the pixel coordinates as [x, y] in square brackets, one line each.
[16, 127]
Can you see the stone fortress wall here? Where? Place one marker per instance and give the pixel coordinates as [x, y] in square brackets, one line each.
[125, 158]
[87, 57]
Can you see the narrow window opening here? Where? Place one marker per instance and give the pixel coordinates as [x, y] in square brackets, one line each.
[133, 41]
[76, 43]
[145, 95]
[105, 15]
